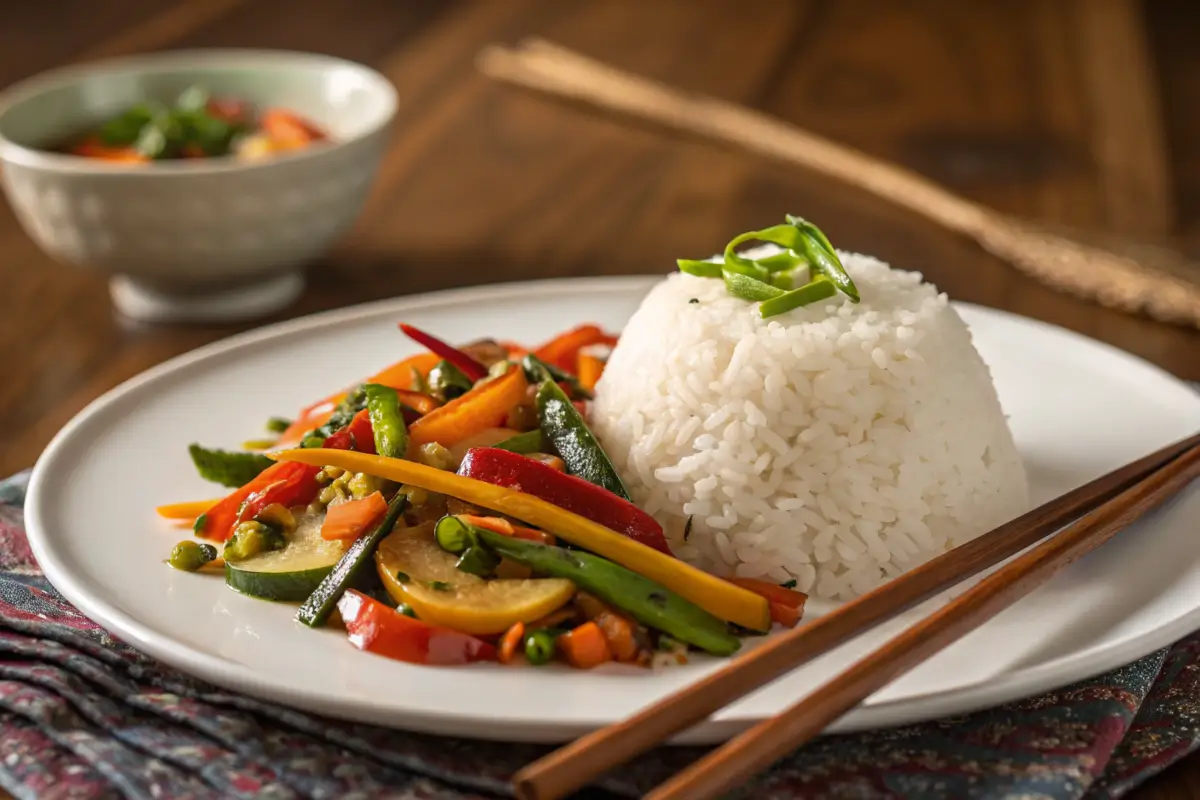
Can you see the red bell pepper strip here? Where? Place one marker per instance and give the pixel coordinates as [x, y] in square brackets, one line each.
[374, 627]
[469, 366]
[273, 485]
[288, 487]
[524, 474]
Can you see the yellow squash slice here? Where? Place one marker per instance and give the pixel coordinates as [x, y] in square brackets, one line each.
[416, 571]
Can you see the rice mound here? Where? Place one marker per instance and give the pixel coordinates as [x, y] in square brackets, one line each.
[838, 444]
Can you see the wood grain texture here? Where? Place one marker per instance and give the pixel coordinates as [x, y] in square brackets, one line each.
[486, 184]
[1121, 90]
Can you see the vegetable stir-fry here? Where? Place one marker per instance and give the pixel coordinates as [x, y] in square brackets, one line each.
[196, 125]
[456, 507]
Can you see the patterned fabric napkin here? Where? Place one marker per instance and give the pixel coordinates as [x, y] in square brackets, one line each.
[83, 715]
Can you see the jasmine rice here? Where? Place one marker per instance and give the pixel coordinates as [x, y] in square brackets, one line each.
[838, 444]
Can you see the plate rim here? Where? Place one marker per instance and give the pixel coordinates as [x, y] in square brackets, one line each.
[910, 709]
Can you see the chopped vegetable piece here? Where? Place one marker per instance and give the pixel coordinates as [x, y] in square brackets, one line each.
[540, 646]
[289, 129]
[278, 424]
[190, 556]
[374, 627]
[442, 594]
[503, 526]
[250, 539]
[589, 369]
[296, 483]
[351, 519]
[502, 468]
[448, 382]
[717, 596]
[618, 632]
[290, 574]
[533, 441]
[486, 406]
[387, 423]
[453, 535]
[574, 441]
[562, 350]
[818, 289]
[553, 462]
[186, 510]
[536, 371]
[468, 365]
[585, 647]
[225, 467]
[478, 561]
[320, 604]
[787, 605]
[509, 642]
[650, 603]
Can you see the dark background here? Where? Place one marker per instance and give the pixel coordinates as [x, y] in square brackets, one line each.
[1079, 111]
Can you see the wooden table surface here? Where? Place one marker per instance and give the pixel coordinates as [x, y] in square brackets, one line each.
[1078, 111]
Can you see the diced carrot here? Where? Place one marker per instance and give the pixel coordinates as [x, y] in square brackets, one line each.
[505, 528]
[186, 510]
[552, 461]
[585, 647]
[510, 642]
[589, 370]
[483, 407]
[618, 632]
[562, 350]
[288, 128]
[351, 519]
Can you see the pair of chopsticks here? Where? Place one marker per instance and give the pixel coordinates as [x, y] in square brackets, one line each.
[1099, 509]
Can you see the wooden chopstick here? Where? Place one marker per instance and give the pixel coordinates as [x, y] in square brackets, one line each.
[576, 764]
[748, 754]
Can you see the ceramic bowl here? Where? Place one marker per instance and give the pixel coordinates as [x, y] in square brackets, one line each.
[198, 239]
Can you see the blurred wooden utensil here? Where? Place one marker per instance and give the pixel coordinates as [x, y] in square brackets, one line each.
[1112, 271]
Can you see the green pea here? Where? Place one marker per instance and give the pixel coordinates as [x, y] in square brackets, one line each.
[190, 556]
[540, 646]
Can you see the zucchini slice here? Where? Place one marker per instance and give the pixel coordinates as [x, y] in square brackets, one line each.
[290, 574]
[323, 599]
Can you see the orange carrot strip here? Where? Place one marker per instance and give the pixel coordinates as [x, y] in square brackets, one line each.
[585, 647]
[787, 616]
[400, 374]
[562, 350]
[589, 370]
[486, 406]
[510, 642]
[505, 528]
[773, 592]
[187, 510]
[349, 520]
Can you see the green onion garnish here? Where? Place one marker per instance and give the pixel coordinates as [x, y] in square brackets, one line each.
[770, 281]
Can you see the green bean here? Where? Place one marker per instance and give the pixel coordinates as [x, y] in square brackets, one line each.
[446, 381]
[540, 646]
[533, 441]
[190, 556]
[453, 535]
[574, 442]
[387, 423]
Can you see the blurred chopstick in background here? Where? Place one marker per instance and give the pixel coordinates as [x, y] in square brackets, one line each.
[1111, 271]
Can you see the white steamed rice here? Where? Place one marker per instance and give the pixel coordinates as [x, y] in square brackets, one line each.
[838, 444]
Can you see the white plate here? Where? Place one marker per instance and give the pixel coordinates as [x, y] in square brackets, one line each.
[1078, 409]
